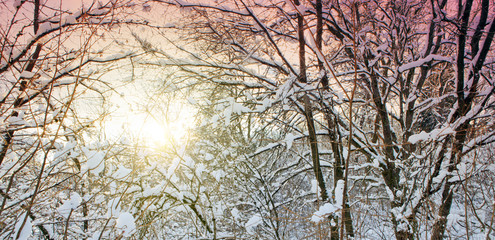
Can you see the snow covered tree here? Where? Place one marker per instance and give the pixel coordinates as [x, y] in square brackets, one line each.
[314, 119]
[384, 82]
[269, 88]
[46, 49]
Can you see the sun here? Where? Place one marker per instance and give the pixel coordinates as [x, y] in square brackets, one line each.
[158, 131]
[160, 127]
[138, 112]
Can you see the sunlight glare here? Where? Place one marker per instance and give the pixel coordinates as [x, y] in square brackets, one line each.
[162, 129]
[159, 131]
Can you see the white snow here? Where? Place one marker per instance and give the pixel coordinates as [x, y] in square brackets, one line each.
[126, 223]
[418, 137]
[27, 74]
[173, 167]
[422, 61]
[324, 211]
[69, 19]
[463, 172]
[249, 95]
[254, 221]
[26, 230]
[227, 115]
[200, 168]
[235, 213]
[68, 147]
[285, 89]
[289, 139]
[314, 186]
[44, 27]
[266, 103]
[113, 207]
[339, 193]
[238, 108]
[218, 174]
[435, 133]
[189, 161]
[155, 191]
[453, 218]
[95, 162]
[390, 194]
[16, 121]
[70, 205]
[379, 159]
[192, 101]
[208, 157]
[121, 172]
[96, 236]
[266, 148]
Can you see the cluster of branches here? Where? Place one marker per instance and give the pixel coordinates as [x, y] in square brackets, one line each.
[320, 119]
[383, 104]
[45, 160]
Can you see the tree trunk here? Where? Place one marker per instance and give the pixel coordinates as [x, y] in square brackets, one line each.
[308, 111]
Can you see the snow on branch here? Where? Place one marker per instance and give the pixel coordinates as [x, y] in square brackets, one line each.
[422, 61]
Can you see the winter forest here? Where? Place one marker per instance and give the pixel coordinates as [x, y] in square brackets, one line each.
[247, 119]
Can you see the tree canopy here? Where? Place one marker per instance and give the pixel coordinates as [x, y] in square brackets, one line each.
[247, 119]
